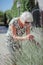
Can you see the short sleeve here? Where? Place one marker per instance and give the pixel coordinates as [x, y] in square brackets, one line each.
[12, 21]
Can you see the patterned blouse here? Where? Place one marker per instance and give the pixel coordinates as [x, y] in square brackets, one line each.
[20, 32]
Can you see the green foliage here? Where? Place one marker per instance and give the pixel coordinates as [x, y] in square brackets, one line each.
[28, 4]
[25, 5]
[1, 13]
[1, 16]
[9, 15]
[14, 9]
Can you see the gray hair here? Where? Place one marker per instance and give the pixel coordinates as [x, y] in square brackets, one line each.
[26, 16]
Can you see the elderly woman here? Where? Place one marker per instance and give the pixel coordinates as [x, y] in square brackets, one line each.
[17, 27]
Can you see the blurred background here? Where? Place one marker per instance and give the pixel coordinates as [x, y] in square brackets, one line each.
[13, 8]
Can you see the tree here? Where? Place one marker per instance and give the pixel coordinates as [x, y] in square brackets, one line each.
[9, 14]
[14, 9]
[25, 5]
[1, 16]
[30, 5]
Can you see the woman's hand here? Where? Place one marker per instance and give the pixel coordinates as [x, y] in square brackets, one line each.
[30, 37]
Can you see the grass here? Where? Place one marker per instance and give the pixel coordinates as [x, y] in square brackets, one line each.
[31, 53]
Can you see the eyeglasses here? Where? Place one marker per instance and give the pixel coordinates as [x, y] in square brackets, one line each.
[26, 22]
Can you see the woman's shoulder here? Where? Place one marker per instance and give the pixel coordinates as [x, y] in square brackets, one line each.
[14, 20]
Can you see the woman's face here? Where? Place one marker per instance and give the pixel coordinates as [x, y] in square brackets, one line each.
[27, 24]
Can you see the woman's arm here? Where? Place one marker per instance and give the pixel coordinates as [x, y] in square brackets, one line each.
[13, 30]
[31, 37]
